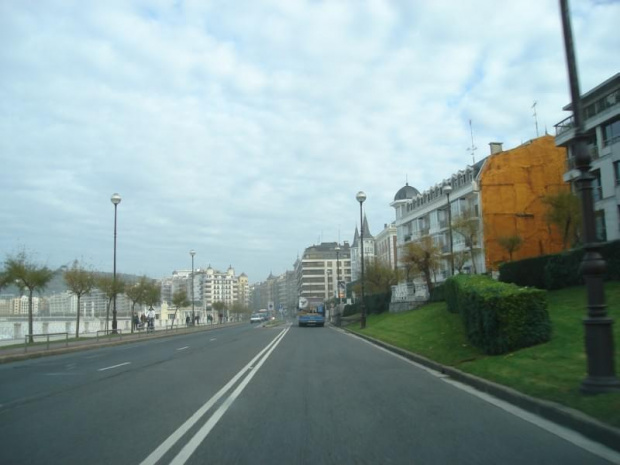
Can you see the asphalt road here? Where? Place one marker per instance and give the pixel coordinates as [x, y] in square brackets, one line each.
[253, 395]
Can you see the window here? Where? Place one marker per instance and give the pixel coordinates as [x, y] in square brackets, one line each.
[597, 189]
[611, 132]
[617, 172]
[599, 223]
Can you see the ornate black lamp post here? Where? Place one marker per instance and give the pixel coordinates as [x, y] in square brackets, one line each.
[599, 340]
[360, 198]
[116, 199]
[192, 253]
[447, 189]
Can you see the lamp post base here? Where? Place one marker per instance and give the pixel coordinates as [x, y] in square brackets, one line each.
[600, 385]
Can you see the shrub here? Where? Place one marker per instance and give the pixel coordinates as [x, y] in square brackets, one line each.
[499, 317]
[350, 309]
[527, 272]
[558, 271]
[562, 270]
[438, 293]
[378, 303]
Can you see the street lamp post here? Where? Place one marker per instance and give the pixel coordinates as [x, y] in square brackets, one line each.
[599, 339]
[360, 198]
[447, 189]
[116, 199]
[338, 272]
[192, 253]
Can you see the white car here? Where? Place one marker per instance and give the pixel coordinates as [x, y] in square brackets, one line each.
[256, 318]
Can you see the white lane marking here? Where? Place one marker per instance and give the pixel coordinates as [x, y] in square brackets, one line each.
[185, 453]
[212, 339]
[553, 428]
[565, 433]
[165, 446]
[114, 366]
[183, 348]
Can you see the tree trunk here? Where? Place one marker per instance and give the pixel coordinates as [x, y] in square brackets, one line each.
[30, 330]
[473, 262]
[77, 321]
[107, 316]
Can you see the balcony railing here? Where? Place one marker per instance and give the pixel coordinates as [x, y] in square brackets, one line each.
[594, 155]
[598, 106]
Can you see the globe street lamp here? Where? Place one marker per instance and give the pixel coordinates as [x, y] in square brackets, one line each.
[447, 189]
[338, 272]
[192, 253]
[360, 198]
[116, 199]
[599, 338]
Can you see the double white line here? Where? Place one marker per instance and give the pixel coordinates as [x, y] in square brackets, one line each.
[202, 433]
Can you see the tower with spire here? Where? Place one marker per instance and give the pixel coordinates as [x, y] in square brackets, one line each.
[356, 251]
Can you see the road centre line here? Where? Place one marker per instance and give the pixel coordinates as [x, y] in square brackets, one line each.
[114, 366]
[166, 445]
[183, 348]
[185, 453]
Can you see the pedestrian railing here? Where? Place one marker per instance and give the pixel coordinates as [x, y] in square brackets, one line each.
[47, 336]
[112, 332]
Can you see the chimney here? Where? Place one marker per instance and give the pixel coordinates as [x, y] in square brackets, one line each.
[496, 147]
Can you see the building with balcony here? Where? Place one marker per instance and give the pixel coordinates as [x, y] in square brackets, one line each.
[386, 249]
[500, 196]
[601, 108]
[320, 269]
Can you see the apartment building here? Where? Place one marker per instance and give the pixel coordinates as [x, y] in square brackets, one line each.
[386, 246]
[601, 107]
[500, 196]
[321, 268]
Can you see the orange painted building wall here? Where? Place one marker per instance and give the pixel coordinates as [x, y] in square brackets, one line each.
[512, 184]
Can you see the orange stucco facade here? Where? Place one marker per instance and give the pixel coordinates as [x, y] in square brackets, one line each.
[512, 184]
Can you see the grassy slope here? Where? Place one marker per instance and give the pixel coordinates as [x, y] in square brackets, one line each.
[552, 371]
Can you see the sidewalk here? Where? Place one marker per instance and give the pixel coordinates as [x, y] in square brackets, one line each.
[12, 350]
[556, 413]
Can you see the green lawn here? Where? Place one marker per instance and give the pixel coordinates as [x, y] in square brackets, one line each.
[552, 371]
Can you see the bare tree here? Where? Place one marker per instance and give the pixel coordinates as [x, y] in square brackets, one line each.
[378, 277]
[468, 226]
[422, 256]
[510, 243]
[27, 275]
[564, 212]
[111, 288]
[136, 294]
[80, 282]
[179, 299]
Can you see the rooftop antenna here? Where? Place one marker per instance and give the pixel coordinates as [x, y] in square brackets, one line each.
[535, 117]
[473, 147]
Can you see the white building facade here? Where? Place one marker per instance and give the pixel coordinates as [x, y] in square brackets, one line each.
[601, 107]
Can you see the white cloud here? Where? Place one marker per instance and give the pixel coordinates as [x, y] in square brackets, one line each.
[244, 129]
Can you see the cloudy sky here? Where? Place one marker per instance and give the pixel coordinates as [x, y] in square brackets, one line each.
[244, 129]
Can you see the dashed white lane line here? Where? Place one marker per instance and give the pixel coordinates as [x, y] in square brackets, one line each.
[114, 366]
[183, 348]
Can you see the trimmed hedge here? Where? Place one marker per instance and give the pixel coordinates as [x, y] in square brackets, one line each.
[558, 271]
[499, 317]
